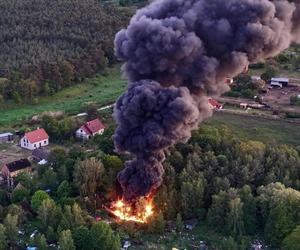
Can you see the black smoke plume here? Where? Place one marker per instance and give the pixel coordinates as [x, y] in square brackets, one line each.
[178, 52]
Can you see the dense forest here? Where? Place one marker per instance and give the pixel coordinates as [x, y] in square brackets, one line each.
[48, 45]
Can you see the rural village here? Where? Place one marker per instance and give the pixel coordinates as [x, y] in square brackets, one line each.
[150, 125]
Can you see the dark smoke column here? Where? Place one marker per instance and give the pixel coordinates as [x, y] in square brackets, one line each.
[178, 52]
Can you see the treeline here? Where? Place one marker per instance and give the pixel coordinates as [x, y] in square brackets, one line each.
[48, 45]
[239, 188]
[243, 190]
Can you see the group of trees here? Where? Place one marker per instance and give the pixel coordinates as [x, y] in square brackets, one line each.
[72, 188]
[236, 187]
[49, 45]
[246, 87]
[239, 188]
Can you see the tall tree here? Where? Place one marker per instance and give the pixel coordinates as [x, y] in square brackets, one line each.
[3, 238]
[88, 177]
[47, 213]
[38, 198]
[82, 238]
[103, 237]
[291, 242]
[66, 241]
[11, 226]
[41, 242]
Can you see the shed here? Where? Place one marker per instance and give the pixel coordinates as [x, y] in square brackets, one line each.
[13, 168]
[40, 154]
[6, 137]
[284, 82]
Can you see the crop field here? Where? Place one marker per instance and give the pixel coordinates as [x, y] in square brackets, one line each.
[102, 89]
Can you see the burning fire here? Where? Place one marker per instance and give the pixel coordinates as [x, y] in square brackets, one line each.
[139, 212]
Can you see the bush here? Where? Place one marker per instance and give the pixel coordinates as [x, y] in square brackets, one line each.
[292, 115]
[295, 100]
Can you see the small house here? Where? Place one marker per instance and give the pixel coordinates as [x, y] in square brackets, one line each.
[214, 104]
[229, 80]
[12, 169]
[6, 137]
[90, 129]
[35, 139]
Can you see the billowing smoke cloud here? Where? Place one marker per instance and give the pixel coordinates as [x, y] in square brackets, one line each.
[178, 52]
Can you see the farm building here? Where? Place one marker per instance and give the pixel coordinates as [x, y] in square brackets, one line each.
[35, 139]
[214, 104]
[6, 137]
[279, 82]
[12, 169]
[90, 129]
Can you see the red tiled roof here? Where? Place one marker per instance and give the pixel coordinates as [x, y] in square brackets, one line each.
[37, 135]
[93, 126]
[214, 103]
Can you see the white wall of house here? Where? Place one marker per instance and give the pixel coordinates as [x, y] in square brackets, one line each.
[31, 146]
[100, 132]
[81, 134]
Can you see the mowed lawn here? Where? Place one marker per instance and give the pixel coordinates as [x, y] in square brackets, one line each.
[100, 89]
[256, 128]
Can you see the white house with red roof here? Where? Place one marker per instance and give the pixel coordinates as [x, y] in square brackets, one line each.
[35, 139]
[90, 129]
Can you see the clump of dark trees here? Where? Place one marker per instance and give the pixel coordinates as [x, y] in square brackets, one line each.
[240, 188]
[48, 45]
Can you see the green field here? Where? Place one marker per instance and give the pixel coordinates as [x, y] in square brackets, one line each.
[105, 89]
[101, 90]
[256, 128]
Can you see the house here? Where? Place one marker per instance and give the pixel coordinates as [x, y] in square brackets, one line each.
[35, 139]
[214, 104]
[39, 154]
[12, 169]
[229, 80]
[243, 105]
[279, 82]
[90, 129]
[6, 137]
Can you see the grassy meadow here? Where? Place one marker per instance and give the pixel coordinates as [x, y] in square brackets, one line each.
[102, 89]
[256, 128]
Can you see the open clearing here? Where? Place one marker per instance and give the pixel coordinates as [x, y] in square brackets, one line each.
[256, 128]
[101, 90]
[10, 152]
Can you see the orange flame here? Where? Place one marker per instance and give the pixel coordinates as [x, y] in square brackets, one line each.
[139, 212]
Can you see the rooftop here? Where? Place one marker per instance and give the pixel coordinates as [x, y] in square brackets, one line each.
[93, 126]
[5, 135]
[37, 135]
[18, 165]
